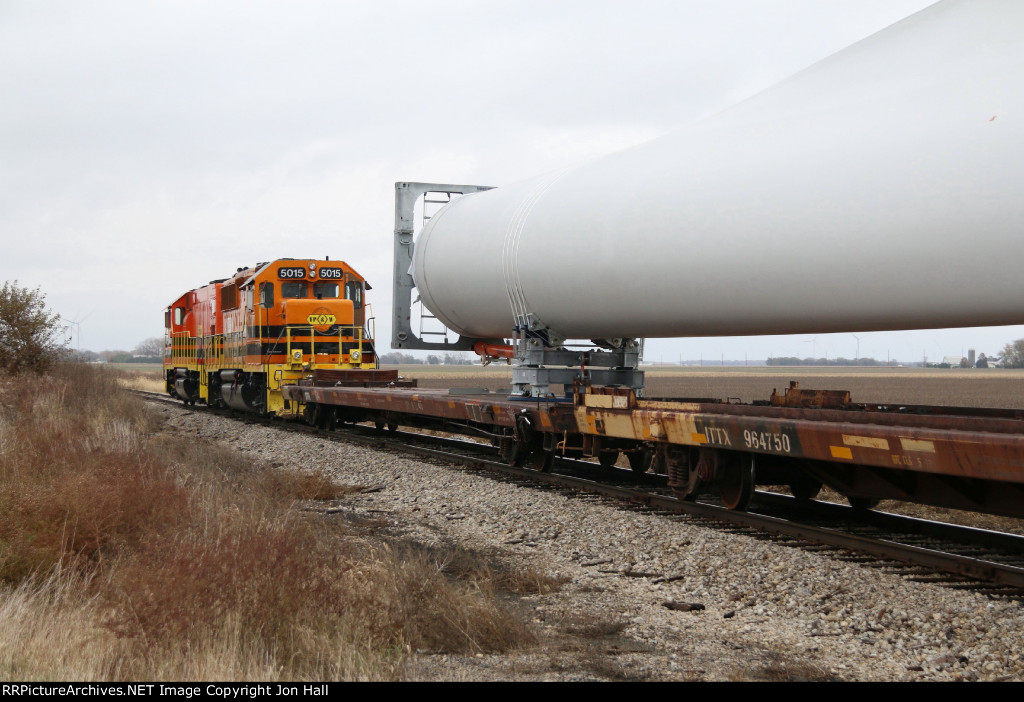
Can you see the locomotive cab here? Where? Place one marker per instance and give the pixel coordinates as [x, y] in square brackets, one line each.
[180, 349]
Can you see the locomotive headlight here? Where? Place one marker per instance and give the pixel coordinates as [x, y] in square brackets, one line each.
[297, 355]
[355, 355]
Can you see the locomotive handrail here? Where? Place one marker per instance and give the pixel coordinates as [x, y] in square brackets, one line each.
[183, 351]
[266, 355]
[353, 331]
[370, 325]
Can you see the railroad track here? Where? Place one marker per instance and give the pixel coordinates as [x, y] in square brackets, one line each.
[951, 555]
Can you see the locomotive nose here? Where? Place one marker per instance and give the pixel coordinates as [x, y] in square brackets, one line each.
[319, 314]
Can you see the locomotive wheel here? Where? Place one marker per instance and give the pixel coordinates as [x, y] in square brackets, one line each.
[805, 488]
[736, 482]
[608, 459]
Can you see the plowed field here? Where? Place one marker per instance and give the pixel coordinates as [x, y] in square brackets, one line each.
[968, 388]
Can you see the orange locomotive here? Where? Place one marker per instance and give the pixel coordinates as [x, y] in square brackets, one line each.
[235, 342]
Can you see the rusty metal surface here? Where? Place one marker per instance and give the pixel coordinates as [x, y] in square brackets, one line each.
[358, 378]
[817, 399]
[492, 409]
[963, 447]
[966, 447]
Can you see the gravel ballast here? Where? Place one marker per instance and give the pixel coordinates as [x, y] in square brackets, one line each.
[646, 597]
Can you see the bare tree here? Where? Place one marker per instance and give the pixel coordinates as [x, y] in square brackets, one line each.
[152, 347]
[28, 331]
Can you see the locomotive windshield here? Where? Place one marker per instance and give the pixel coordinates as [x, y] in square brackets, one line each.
[294, 289]
[325, 290]
[319, 290]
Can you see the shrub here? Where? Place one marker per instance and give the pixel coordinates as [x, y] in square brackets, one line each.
[1013, 354]
[28, 331]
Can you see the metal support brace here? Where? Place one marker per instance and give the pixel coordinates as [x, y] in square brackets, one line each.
[542, 361]
[402, 335]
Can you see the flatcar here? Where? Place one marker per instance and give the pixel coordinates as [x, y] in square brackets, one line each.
[837, 200]
[237, 341]
[293, 338]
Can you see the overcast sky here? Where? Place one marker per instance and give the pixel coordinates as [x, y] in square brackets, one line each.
[149, 147]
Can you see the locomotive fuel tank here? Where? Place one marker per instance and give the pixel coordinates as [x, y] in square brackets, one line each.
[878, 189]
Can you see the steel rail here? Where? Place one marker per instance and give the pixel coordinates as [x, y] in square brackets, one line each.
[879, 548]
[967, 566]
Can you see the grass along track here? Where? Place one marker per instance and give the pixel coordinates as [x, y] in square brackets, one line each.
[944, 552]
[127, 553]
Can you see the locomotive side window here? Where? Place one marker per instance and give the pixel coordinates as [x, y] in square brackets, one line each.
[354, 292]
[325, 290]
[294, 289]
[267, 294]
[179, 315]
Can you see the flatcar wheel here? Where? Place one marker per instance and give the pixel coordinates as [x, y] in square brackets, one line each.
[640, 461]
[805, 488]
[736, 482]
[608, 459]
[862, 504]
[327, 418]
[512, 452]
[541, 460]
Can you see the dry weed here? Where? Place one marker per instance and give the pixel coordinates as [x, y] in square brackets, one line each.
[150, 381]
[53, 630]
[129, 557]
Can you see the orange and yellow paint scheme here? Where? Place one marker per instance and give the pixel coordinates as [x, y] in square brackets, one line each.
[235, 342]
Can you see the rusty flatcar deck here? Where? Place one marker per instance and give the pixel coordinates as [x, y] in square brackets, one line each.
[969, 460]
[456, 405]
[965, 446]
